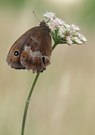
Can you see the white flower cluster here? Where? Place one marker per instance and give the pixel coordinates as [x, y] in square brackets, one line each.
[68, 34]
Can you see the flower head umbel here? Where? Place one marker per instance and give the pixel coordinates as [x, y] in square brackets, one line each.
[63, 33]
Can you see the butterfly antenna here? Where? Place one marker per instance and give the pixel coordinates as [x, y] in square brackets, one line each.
[36, 16]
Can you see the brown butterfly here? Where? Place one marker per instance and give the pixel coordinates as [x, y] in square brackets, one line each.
[32, 50]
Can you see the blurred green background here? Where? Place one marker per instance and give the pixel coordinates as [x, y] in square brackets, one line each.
[63, 102]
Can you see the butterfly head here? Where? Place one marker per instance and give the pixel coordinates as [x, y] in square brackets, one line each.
[44, 26]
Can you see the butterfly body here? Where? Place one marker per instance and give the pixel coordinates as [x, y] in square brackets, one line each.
[32, 50]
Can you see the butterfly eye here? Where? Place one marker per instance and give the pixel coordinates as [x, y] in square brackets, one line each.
[16, 53]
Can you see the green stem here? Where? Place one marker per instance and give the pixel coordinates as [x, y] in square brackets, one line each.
[27, 103]
[28, 100]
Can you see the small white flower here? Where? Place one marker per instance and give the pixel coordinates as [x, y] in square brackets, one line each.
[69, 40]
[49, 15]
[67, 26]
[75, 28]
[77, 40]
[52, 25]
[61, 32]
[60, 21]
[55, 23]
[82, 37]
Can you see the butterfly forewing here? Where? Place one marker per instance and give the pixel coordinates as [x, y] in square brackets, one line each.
[13, 57]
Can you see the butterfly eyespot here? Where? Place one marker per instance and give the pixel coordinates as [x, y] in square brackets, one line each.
[16, 53]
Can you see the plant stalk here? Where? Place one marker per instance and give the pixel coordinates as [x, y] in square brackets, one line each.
[27, 103]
